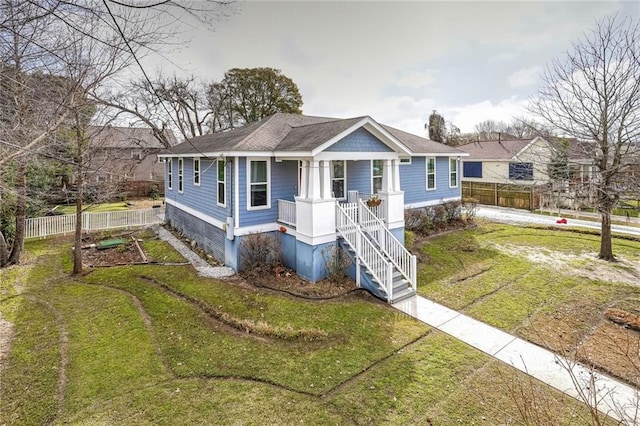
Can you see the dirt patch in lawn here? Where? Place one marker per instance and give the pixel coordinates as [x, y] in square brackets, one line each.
[613, 349]
[578, 328]
[622, 271]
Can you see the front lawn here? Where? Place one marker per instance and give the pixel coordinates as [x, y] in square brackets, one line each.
[156, 344]
[545, 286]
[94, 208]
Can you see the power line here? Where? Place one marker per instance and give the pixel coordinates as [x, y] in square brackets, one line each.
[146, 76]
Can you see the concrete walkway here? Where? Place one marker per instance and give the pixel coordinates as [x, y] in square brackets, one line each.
[616, 399]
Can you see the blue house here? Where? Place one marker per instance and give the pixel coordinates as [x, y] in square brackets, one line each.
[311, 182]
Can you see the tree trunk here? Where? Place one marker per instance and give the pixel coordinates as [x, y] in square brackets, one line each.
[77, 251]
[606, 251]
[21, 207]
[4, 251]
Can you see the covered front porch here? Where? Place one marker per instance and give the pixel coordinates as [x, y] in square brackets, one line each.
[323, 183]
[369, 227]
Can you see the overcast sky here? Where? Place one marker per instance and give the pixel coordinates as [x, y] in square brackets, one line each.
[398, 61]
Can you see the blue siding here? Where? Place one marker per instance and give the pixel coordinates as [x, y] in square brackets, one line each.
[208, 237]
[288, 244]
[359, 176]
[202, 198]
[310, 263]
[413, 181]
[359, 141]
[284, 185]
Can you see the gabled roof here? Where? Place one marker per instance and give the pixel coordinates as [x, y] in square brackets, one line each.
[126, 137]
[283, 133]
[418, 145]
[495, 150]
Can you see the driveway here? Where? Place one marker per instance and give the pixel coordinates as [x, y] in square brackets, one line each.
[515, 216]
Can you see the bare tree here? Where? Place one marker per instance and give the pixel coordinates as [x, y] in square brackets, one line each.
[491, 129]
[593, 94]
[164, 103]
[41, 39]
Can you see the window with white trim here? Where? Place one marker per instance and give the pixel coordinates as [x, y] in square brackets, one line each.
[453, 172]
[431, 173]
[338, 178]
[180, 174]
[404, 161]
[376, 175]
[258, 187]
[196, 171]
[170, 173]
[222, 184]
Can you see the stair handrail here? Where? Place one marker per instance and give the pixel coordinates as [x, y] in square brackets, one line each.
[401, 258]
[380, 268]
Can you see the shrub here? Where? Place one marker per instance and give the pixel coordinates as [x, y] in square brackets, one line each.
[469, 209]
[452, 211]
[409, 239]
[419, 220]
[336, 263]
[439, 216]
[259, 252]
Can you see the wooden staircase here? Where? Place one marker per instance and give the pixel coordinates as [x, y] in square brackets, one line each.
[382, 264]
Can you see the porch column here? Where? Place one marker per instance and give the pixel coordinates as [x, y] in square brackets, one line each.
[316, 221]
[392, 198]
[387, 176]
[304, 179]
[326, 180]
[396, 175]
[313, 192]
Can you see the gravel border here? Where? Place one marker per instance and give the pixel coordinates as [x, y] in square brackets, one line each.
[200, 265]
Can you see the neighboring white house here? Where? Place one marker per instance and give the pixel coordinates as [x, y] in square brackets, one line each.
[514, 161]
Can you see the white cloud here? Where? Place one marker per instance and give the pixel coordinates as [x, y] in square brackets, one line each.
[467, 116]
[415, 79]
[525, 77]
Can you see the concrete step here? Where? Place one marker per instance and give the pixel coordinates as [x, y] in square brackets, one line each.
[404, 294]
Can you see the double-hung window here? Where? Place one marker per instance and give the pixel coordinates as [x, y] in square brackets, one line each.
[196, 171]
[222, 184]
[521, 171]
[170, 173]
[338, 178]
[376, 175]
[180, 174]
[453, 172]
[431, 173]
[258, 185]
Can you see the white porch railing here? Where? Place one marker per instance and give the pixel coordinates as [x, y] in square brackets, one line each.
[355, 196]
[403, 260]
[40, 227]
[287, 212]
[366, 252]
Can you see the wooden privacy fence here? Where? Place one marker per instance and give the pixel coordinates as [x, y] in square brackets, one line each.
[503, 195]
[40, 227]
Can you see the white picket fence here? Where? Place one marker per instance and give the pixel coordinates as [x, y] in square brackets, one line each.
[40, 227]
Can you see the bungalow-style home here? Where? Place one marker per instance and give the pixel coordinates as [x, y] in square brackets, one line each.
[306, 181]
[514, 161]
[126, 153]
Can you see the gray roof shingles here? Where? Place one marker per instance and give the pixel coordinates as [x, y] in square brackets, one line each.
[494, 150]
[292, 132]
[126, 137]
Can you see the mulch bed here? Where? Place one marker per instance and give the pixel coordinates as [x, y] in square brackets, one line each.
[285, 280]
[125, 254]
